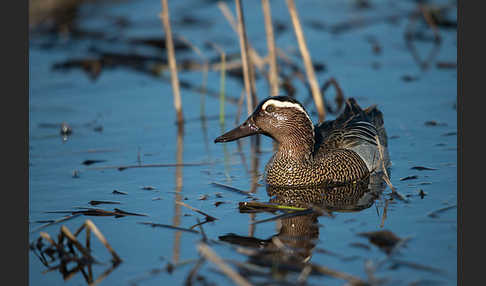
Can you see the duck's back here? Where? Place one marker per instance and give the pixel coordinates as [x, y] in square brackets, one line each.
[356, 129]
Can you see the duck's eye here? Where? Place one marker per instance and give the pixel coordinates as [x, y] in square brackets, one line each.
[270, 108]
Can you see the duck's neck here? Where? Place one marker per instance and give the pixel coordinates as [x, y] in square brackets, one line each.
[292, 164]
[298, 146]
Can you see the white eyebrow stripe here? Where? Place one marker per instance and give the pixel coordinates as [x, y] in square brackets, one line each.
[279, 103]
[287, 104]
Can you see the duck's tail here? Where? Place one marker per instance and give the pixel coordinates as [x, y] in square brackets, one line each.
[371, 114]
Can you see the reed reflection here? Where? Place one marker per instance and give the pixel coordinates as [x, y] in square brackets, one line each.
[178, 196]
[254, 179]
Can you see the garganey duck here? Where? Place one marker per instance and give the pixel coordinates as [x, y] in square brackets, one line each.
[337, 151]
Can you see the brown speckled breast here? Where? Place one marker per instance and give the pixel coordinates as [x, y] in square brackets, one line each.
[338, 166]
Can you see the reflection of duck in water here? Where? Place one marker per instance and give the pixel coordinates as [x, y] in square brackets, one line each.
[338, 151]
[349, 197]
[298, 234]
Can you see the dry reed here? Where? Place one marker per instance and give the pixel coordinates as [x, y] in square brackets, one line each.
[164, 16]
[273, 74]
[255, 58]
[311, 77]
[247, 64]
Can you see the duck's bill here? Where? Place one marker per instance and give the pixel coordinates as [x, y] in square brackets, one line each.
[246, 129]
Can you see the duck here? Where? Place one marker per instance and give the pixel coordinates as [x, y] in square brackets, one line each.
[335, 152]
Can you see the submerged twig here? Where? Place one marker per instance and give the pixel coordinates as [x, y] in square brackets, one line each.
[208, 217]
[232, 189]
[56, 222]
[169, 226]
[385, 176]
[210, 255]
[383, 218]
[203, 233]
[99, 212]
[286, 215]
[193, 271]
[435, 213]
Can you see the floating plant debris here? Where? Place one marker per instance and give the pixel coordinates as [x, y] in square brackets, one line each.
[75, 174]
[168, 226]
[360, 245]
[409, 78]
[203, 197]
[95, 203]
[421, 168]
[246, 241]
[434, 123]
[216, 204]
[91, 162]
[446, 65]
[208, 217]
[100, 212]
[409, 178]
[422, 194]
[425, 183]
[148, 188]
[66, 129]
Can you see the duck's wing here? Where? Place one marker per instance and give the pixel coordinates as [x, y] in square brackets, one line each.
[353, 127]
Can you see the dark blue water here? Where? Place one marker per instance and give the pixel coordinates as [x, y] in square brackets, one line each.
[138, 121]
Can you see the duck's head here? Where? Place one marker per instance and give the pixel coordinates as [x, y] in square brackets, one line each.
[280, 117]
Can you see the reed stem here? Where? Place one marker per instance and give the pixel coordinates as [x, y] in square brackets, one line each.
[247, 65]
[273, 74]
[164, 16]
[255, 58]
[221, 88]
[309, 69]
